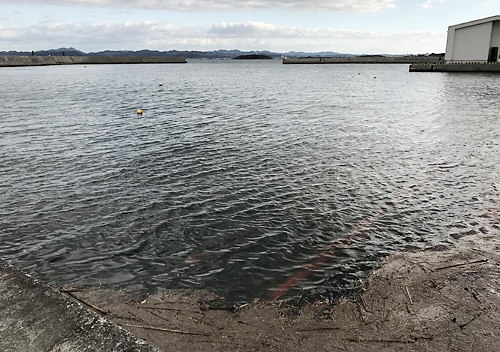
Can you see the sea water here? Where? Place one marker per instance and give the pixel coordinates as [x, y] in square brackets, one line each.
[241, 177]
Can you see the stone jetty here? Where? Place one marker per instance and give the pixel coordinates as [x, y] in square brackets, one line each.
[18, 60]
[364, 60]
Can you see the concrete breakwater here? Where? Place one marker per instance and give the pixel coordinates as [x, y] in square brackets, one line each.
[34, 317]
[457, 67]
[364, 60]
[15, 60]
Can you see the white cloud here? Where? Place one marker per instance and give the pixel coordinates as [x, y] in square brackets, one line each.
[218, 5]
[264, 30]
[428, 3]
[242, 35]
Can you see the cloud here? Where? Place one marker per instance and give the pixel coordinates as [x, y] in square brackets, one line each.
[428, 3]
[161, 35]
[263, 30]
[218, 5]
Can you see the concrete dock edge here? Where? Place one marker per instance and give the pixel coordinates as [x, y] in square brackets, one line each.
[36, 318]
[457, 67]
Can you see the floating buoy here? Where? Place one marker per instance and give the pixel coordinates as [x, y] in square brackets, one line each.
[359, 73]
[139, 112]
[84, 66]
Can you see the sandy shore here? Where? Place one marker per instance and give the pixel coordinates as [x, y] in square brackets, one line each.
[440, 299]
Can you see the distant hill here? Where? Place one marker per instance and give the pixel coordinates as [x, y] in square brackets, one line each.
[253, 57]
[291, 54]
[51, 52]
[216, 54]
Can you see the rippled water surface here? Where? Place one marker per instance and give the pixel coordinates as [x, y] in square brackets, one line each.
[240, 177]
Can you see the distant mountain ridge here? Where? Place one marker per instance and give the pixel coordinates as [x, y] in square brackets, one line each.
[216, 54]
[51, 52]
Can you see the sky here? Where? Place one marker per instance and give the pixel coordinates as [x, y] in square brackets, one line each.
[344, 26]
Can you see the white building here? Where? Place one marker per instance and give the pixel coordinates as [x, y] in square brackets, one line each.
[475, 41]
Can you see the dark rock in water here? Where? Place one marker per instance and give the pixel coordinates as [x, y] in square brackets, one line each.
[253, 57]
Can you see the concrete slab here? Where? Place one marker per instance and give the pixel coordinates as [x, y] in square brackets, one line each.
[460, 67]
[36, 318]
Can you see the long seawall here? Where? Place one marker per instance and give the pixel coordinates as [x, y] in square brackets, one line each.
[457, 67]
[363, 60]
[15, 60]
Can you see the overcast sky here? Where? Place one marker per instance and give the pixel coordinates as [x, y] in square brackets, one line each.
[346, 26]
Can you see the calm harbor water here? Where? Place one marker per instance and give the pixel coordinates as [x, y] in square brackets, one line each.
[239, 174]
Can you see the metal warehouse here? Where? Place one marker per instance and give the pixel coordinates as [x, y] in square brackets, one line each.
[474, 41]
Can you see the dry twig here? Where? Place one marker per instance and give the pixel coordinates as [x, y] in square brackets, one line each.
[226, 342]
[159, 316]
[408, 293]
[475, 295]
[493, 211]
[470, 321]
[159, 308]
[462, 264]
[202, 322]
[86, 303]
[380, 341]
[365, 306]
[318, 329]
[164, 329]
[68, 290]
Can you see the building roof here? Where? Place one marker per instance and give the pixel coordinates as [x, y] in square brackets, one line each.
[476, 22]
